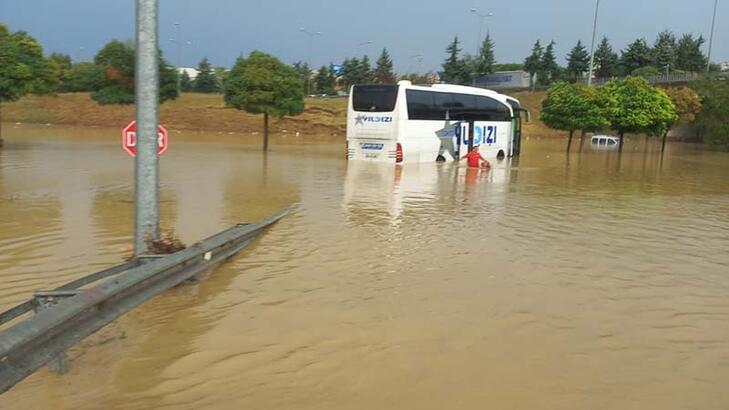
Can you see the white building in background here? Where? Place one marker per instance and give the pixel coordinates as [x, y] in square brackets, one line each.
[724, 66]
[191, 72]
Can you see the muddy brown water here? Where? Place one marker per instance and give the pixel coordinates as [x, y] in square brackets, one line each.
[591, 281]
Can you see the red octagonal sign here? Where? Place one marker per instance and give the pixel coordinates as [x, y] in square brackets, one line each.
[129, 139]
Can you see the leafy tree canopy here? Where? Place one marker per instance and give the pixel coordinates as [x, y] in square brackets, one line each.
[712, 119]
[261, 83]
[571, 107]
[22, 66]
[116, 86]
[638, 107]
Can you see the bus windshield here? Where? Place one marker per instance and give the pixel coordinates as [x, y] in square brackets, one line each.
[374, 98]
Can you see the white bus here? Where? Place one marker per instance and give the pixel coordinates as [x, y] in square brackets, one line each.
[410, 123]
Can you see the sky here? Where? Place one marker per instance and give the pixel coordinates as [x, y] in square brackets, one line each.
[224, 29]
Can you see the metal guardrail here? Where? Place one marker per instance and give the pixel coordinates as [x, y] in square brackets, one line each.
[73, 313]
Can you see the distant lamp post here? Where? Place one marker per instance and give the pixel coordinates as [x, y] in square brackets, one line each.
[360, 45]
[711, 36]
[592, 48]
[311, 36]
[179, 44]
[481, 19]
[416, 57]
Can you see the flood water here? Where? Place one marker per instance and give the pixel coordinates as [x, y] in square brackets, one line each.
[592, 281]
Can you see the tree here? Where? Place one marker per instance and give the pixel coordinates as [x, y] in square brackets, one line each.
[688, 54]
[508, 67]
[364, 71]
[646, 72]
[116, 85]
[304, 71]
[383, 70]
[664, 51]
[688, 105]
[185, 82]
[22, 66]
[533, 63]
[324, 80]
[350, 68]
[570, 107]
[578, 61]
[606, 60]
[549, 69]
[220, 74]
[205, 81]
[81, 78]
[636, 55]
[63, 62]
[638, 107]
[486, 59]
[262, 84]
[712, 119]
[455, 69]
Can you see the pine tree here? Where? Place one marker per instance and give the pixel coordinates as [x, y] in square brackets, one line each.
[324, 81]
[455, 69]
[636, 55]
[578, 61]
[304, 72]
[365, 70]
[688, 54]
[549, 69]
[664, 50]
[606, 60]
[350, 67]
[486, 59]
[383, 70]
[185, 82]
[205, 81]
[533, 63]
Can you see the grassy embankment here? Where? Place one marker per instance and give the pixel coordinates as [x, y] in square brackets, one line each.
[207, 113]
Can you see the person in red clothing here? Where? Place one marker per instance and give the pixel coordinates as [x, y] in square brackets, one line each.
[475, 160]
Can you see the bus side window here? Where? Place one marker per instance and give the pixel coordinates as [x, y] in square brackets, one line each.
[611, 142]
[443, 102]
[420, 105]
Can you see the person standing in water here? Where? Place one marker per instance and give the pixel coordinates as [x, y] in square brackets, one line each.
[475, 160]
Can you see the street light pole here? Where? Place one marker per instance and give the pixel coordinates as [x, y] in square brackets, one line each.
[311, 37]
[711, 37]
[146, 166]
[481, 19]
[359, 46]
[592, 49]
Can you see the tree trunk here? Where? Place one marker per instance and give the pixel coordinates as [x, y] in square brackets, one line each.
[622, 137]
[569, 141]
[582, 139]
[1, 126]
[265, 132]
[663, 144]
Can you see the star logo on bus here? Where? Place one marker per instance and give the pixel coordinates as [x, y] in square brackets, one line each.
[359, 120]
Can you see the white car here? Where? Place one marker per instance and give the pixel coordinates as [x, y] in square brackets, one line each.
[604, 142]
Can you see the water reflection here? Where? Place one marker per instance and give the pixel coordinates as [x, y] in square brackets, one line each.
[552, 281]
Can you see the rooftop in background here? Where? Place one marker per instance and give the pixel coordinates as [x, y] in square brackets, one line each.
[191, 72]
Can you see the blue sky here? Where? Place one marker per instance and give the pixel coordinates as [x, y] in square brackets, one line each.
[223, 29]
